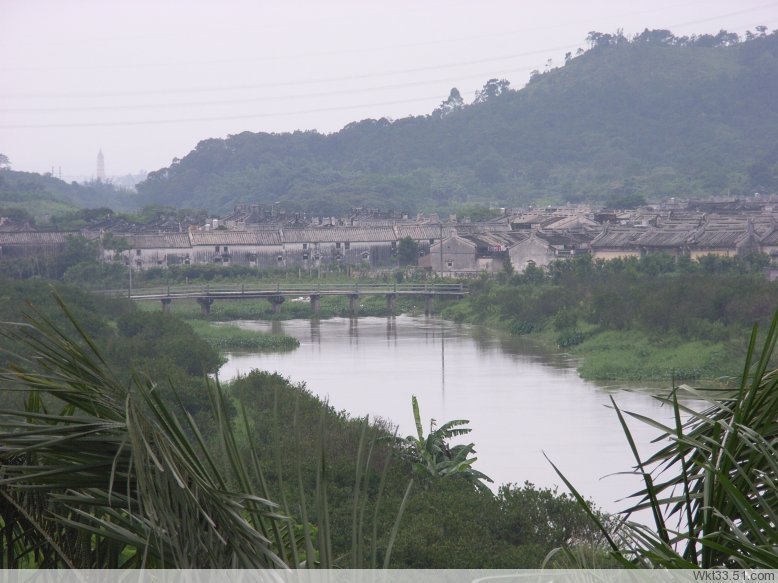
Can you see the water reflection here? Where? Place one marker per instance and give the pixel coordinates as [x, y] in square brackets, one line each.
[391, 330]
[316, 331]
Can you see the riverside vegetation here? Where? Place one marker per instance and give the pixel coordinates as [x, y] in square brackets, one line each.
[653, 318]
[268, 475]
[337, 492]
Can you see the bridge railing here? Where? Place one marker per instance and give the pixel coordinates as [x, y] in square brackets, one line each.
[237, 289]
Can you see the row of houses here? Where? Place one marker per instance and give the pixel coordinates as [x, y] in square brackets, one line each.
[448, 248]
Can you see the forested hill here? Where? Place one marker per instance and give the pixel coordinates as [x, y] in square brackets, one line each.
[655, 115]
[27, 195]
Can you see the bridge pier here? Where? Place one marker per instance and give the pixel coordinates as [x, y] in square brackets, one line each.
[391, 304]
[205, 305]
[353, 305]
[276, 302]
[166, 305]
[428, 304]
[315, 304]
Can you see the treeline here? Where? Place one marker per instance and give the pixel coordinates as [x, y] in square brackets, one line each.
[632, 118]
[665, 37]
[627, 316]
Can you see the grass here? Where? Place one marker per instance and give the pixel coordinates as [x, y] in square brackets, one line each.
[632, 355]
[226, 337]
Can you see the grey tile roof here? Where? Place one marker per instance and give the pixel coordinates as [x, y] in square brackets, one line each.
[420, 232]
[261, 237]
[663, 238]
[617, 238]
[35, 238]
[339, 234]
[161, 241]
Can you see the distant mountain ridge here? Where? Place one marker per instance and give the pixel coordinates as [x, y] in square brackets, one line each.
[647, 117]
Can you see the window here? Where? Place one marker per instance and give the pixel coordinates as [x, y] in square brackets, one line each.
[217, 248]
[365, 255]
[305, 246]
[280, 258]
[137, 252]
[337, 245]
[432, 241]
[348, 245]
[225, 249]
[305, 256]
[449, 263]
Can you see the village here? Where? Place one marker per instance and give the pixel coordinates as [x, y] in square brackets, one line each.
[269, 238]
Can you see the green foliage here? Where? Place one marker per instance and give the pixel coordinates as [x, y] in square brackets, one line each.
[455, 526]
[432, 457]
[235, 338]
[105, 473]
[44, 196]
[147, 338]
[124, 484]
[632, 319]
[713, 487]
[407, 251]
[625, 121]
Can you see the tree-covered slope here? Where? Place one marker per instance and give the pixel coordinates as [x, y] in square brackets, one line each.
[651, 116]
[40, 196]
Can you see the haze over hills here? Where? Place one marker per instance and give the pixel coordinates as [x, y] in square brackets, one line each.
[39, 196]
[629, 119]
[655, 115]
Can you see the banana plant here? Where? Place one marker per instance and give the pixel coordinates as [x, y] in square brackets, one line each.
[431, 456]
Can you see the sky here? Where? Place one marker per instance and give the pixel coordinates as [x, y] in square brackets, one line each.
[146, 80]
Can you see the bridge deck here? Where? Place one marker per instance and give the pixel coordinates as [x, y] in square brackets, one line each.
[237, 291]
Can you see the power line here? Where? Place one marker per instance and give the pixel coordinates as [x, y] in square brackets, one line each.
[357, 77]
[214, 118]
[362, 49]
[263, 98]
[289, 83]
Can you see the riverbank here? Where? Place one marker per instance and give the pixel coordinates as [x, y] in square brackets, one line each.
[630, 354]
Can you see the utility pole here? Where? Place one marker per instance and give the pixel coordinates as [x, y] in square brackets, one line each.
[441, 248]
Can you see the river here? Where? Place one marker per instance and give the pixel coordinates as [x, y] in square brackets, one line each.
[521, 400]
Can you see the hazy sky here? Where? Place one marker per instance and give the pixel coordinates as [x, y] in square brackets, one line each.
[145, 80]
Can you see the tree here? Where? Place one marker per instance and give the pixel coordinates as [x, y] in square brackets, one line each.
[407, 251]
[4, 162]
[432, 457]
[492, 88]
[453, 103]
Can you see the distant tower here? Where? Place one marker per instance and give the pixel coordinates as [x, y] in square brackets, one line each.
[100, 166]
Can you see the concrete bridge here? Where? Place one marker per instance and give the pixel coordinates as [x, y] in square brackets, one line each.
[278, 293]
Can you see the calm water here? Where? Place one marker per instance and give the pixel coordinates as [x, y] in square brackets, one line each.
[521, 401]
